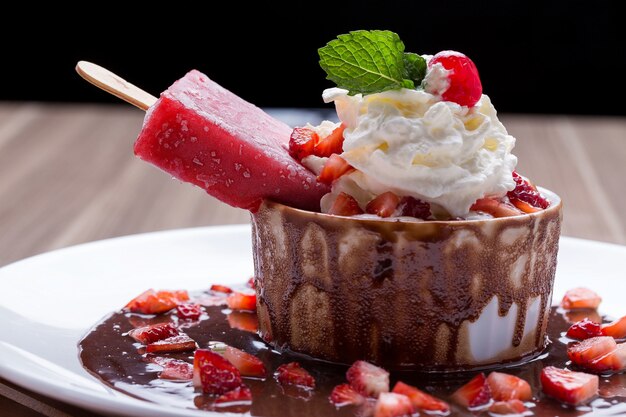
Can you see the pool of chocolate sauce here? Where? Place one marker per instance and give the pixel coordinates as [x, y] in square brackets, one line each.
[119, 362]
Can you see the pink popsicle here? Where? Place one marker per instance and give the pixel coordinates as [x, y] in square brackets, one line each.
[201, 133]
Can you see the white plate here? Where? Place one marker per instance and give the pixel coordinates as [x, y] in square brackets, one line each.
[48, 302]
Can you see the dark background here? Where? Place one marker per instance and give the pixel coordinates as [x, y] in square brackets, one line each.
[543, 57]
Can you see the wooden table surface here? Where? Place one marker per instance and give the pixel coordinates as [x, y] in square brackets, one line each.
[68, 175]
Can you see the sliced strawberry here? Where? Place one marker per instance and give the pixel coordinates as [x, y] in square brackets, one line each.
[334, 167]
[189, 311]
[495, 207]
[580, 298]
[584, 329]
[526, 195]
[154, 333]
[614, 361]
[177, 370]
[243, 320]
[412, 207]
[507, 407]
[239, 394]
[421, 400]
[568, 386]
[180, 343]
[331, 144]
[368, 379]
[214, 374]
[293, 374]
[155, 302]
[475, 393]
[221, 288]
[506, 387]
[248, 365]
[302, 142]
[345, 205]
[586, 352]
[390, 404]
[616, 329]
[251, 283]
[241, 301]
[384, 205]
[344, 394]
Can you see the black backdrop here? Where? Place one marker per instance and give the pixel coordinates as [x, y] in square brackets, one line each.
[543, 57]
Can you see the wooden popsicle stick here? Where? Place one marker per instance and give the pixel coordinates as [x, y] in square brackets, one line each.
[113, 84]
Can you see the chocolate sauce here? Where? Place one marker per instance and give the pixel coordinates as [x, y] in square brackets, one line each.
[121, 363]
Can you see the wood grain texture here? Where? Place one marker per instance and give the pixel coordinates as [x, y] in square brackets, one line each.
[68, 175]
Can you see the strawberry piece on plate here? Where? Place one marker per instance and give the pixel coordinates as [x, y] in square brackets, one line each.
[243, 320]
[568, 386]
[344, 394]
[251, 283]
[345, 205]
[384, 205]
[177, 370]
[475, 393]
[237, 395]
[507, 407]
[614, 361]
[368, 379]
[241, 301]
[180, 343]
[616, 329]
[155, 302]
[294, 374]
[334, 168]
[584, 329]
[221, 288]
[421, 400]
[506, 387]
[214, 374]
[331, 144]
[189, 311]
[153, 333]
[585, 353]
[302, 142]
[580, 297]
[390, 404]
[248, 365]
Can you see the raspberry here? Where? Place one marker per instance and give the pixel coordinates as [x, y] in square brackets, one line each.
[465, 87]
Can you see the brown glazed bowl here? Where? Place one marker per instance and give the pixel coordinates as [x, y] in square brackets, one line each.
[428, 295]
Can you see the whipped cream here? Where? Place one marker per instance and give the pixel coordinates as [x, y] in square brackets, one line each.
[412, 143]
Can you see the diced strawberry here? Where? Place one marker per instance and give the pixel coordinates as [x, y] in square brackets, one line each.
[616, 329]
[221, 288]
[239, 394]
[368, 379]
[180, 343]
[526, 195]
[421, 400]
[188, 311]
[344, 394]
[214, 374]
[614, 361]
[580, 298]
[568, 386]
[495, 207]
[506, 387]
[384, 205]
[154, 333]
[524, 206]
[584, 329]
[155, 302]
[177, 370]
[331, 144]
[507, 407]
[251, 283]
[586, 352]
[475, 393]
[248, 365]
[413, 207]
[345, 205]
[293, 374]
[241, 301]
[390, 404]
[334, 167]
[302, 142]
[243, 320]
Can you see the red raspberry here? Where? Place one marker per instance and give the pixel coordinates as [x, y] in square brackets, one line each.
[465, 87]
[526, 192]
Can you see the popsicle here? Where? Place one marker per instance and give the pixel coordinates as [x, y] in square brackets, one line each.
[203, 134]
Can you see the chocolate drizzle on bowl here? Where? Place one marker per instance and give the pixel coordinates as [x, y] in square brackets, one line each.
[435, 295]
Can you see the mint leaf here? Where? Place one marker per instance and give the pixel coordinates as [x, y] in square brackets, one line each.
[414, 67]
[368, 62]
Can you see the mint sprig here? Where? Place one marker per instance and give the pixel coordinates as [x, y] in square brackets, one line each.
[370, 62]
